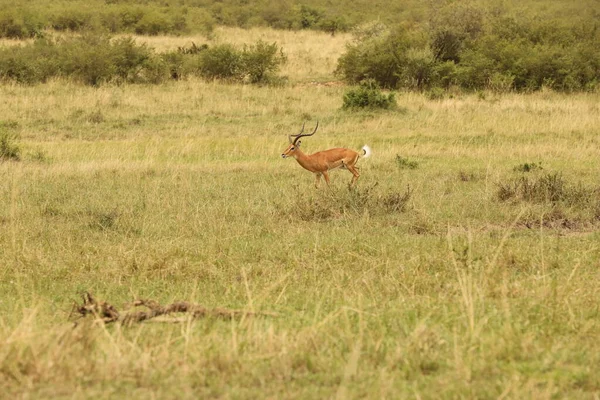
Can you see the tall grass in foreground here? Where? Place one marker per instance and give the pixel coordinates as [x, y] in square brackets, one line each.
[421, 283]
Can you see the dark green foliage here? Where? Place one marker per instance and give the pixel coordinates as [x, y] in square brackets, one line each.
[374, 56]
[476, 48]
[72, 19]
[309, 17]
[9, 148]
[155, 23]
[20, 24]
[256, 63]
[528, 167]
[368, 95]
[90, 59]
[221, 62]
[405, 163]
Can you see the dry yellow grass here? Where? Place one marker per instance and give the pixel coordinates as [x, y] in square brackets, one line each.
[312, 56]
[178, 192]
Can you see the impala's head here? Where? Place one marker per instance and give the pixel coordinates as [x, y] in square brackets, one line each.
[295, 142]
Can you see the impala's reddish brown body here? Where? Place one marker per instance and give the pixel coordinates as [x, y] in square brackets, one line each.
[322, 162]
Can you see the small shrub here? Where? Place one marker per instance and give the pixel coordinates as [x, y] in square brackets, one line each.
[38, 156]
[129, 58]
[368, 95]
[261, 61]
[20, 25]
[436, 93]
[396, 201]
[528, 167]
[221, 62]
[152, 24]
[551, 189]
[95, 117]
[71, 19]
[467, 176]
[546, 188]
[9, 148]
[405, 163]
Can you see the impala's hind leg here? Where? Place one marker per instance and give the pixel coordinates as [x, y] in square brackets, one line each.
[354, 171]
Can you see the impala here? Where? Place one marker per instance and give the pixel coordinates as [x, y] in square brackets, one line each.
[324, 161]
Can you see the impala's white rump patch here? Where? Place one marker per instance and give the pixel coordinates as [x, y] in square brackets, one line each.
[367, 151]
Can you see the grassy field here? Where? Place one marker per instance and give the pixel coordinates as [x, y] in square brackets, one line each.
[448, 273]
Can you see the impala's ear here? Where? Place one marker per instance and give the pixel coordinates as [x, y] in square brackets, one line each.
[298, 143]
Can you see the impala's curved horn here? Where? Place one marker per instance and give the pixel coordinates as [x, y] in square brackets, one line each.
[300, 135]
[291, 136]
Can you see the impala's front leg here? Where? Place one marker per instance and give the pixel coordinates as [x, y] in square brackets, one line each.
[318, 181]
[326, 175]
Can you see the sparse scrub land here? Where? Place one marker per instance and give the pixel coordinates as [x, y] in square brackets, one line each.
[456, 268]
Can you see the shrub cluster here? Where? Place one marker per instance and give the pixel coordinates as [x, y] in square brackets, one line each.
[95, 59]
[19, 24]
[474, 48]
[257, 63]
[90, 59]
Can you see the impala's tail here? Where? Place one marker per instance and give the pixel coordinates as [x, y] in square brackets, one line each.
[367, 151]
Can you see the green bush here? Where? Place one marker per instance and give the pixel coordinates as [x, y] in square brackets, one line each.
[29, 64]
[368, 95]
[256, 63]
[154, 23]
[375, 56]
[71, 19]
[96, 59]
[221, 62]
[260, 62]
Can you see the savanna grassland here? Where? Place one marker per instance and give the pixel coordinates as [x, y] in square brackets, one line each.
[464, 265]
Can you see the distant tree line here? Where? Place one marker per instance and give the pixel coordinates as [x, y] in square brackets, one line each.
[23, 19]
[469, 44]
[94, 59]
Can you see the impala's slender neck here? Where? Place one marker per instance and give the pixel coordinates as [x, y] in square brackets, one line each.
[302, 158]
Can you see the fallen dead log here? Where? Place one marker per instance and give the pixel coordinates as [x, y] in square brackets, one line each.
[107, 313]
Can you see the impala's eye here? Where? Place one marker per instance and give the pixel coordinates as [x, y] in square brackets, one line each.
[292, 148]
